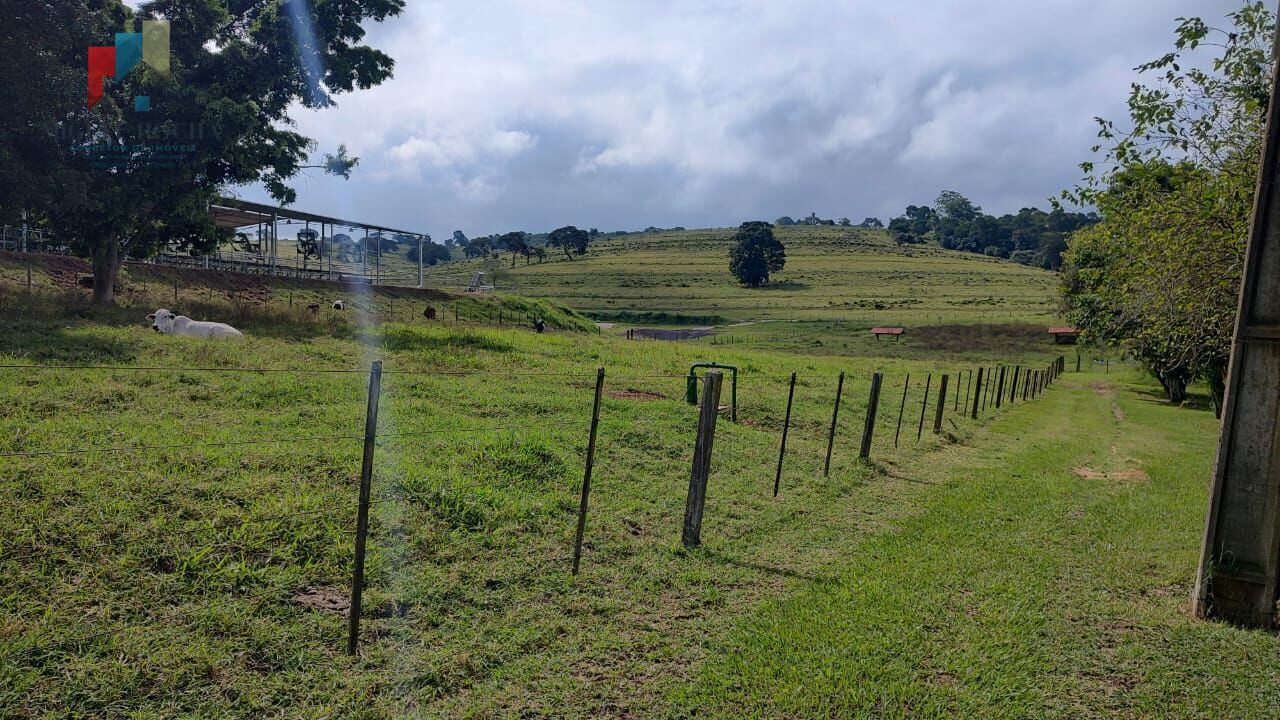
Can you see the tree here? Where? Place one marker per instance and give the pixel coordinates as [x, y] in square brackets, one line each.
[478, 247]
[756, 254]
[903, 232]
[845, 222]
[458, 239]
[517, 242]
[432, 253]
[784, 220]
[540, 253]
[920, 219]
[872, 222]
[235, 70]
[1160, 274]
[570, 239]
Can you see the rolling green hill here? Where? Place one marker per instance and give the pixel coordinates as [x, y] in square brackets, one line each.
[832, 273]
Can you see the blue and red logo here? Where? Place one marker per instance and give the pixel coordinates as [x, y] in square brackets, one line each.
[151, 46]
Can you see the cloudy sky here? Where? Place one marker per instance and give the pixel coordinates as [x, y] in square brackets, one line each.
[531, 114]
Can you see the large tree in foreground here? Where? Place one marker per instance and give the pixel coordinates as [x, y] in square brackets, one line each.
[121, 180]
[1160, 274]
[756, 254]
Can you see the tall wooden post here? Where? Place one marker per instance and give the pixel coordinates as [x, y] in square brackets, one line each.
[786, 425]
[942, 404]
[873, 408]
[1240, 556]
[419, 261]
[901, 409]
[586, 475]
[977, 394]
[831, 436]
[924, 405]
[362, 512]
[1000, 391]
[694, 503]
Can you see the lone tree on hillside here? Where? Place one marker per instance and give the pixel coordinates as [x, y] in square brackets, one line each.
[756, 253]
[571, 239]
[223, 94]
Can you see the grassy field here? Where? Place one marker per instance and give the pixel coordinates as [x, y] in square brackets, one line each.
[858, 276]
[196, 561]
[1049, 576]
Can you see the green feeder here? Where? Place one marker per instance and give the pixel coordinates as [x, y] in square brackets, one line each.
[691, 391]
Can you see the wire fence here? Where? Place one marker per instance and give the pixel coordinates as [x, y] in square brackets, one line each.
[327, 520]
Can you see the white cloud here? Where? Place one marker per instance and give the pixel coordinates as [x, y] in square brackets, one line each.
[534, 113]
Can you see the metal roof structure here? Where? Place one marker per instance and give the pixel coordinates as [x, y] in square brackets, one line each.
[235, 213]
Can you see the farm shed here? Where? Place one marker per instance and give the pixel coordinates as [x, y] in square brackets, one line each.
[1065, 335]
[893, 332]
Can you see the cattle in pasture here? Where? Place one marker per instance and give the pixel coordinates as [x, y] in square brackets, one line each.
[429, 313]
[165, 321]
[339, 305]
[314, 308]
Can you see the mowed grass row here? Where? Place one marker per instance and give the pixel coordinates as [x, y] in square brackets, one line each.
[163, 578]
[847, 273]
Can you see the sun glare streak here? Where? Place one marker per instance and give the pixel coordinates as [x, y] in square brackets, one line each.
[304, 36]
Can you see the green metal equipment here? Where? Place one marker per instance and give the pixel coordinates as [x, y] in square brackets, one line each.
[691, 391]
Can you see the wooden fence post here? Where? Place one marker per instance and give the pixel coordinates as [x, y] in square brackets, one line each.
[942, 405]
[1000, 390]
[831, 436]
[786, 425]
[873, 406]
[986, 396]
[924, 404]
[694, 503]
[362, 513]
[977, 394]
[968, 384]
[902, 408]
[586, 474]
[955, 396]
[1013, 389]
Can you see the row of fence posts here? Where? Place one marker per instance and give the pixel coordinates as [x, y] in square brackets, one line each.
[1033, 382]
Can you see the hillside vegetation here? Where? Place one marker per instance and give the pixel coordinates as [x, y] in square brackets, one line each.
[857, 275]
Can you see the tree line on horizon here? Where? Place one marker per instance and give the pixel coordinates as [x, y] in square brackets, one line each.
[1031, 237]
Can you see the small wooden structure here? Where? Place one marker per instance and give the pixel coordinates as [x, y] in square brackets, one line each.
[477, 284]
[894, 332]
[1065, 335]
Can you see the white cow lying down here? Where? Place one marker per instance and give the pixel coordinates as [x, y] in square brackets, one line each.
[166, 322]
